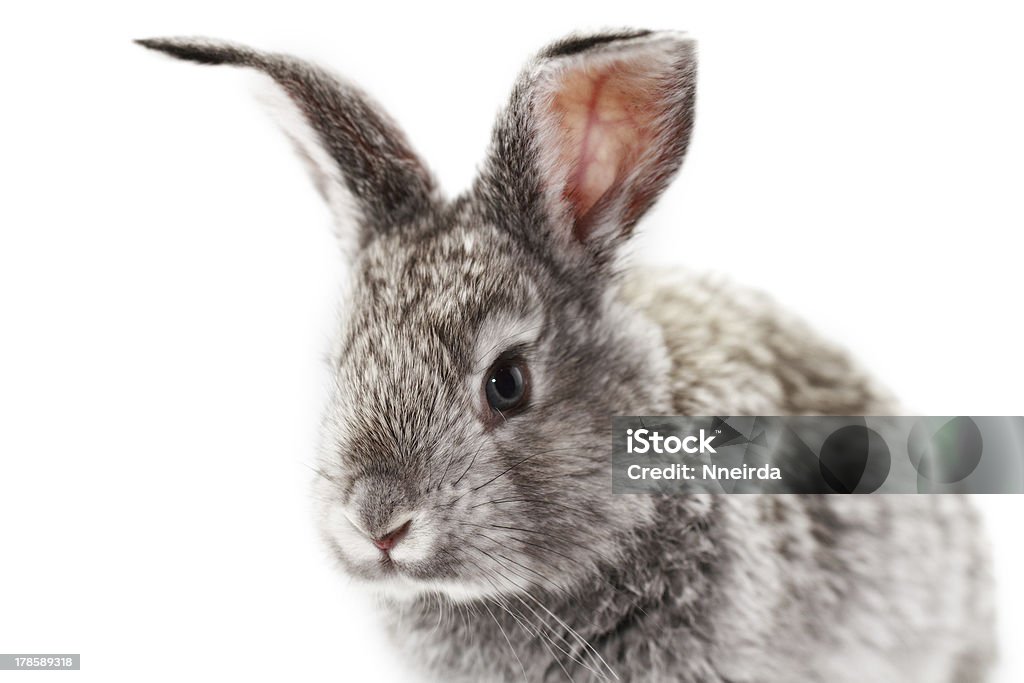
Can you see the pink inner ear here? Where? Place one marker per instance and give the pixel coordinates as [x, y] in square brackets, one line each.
[606, 118]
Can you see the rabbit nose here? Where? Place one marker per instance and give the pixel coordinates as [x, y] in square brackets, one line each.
[391, 539]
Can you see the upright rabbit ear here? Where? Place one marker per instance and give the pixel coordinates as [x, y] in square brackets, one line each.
[360, 161]
[596, 128]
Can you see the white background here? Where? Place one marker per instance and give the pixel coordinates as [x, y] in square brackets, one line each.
[167, 281]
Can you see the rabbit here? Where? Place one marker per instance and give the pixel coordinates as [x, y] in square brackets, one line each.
[485, 343]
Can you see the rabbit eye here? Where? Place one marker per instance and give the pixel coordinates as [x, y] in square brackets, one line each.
[505, 385]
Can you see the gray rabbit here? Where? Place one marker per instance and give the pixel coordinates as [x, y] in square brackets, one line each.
[486, 341]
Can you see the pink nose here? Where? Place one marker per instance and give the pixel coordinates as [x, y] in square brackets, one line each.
[391, 539]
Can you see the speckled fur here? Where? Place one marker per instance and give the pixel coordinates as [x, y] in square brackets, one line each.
[519, 564]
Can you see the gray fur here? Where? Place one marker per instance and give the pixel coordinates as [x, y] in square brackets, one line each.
[519, 564]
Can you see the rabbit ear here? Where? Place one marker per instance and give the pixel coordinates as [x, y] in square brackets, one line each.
[596, 128]
[359, 159]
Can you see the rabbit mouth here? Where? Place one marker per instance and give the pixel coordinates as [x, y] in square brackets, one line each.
[388, 568]
[396, 579]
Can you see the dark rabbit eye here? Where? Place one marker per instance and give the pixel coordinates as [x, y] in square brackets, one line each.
[505, 385]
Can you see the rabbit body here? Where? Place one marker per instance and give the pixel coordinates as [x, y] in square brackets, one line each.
[745, 588]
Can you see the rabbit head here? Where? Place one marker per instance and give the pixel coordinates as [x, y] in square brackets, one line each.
[484, 345]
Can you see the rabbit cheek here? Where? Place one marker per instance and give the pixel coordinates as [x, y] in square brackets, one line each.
[352, 544]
